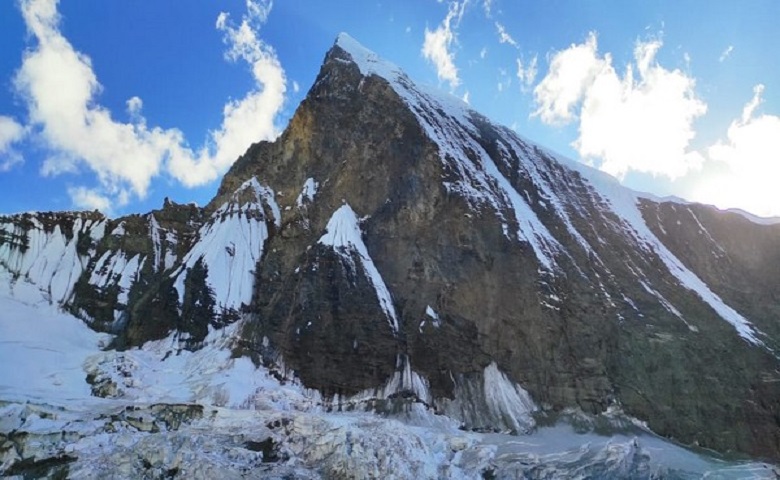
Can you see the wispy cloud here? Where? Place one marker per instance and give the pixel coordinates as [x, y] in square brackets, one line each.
[504, 37]
[11, 132]
[526, 72]
[487, 6]
[726, 53]
[438, 45]
[639, 121]
[60, 88]
[90, 199]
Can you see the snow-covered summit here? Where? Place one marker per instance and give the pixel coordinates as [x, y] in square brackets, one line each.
[369, 62]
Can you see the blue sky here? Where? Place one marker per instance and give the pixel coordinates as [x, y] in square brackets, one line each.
[116, 105]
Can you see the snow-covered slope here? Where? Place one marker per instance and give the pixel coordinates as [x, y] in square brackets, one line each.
[44, 254]
[231, 243]
[102, 261]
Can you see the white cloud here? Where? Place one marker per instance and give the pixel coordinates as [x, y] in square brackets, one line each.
[245, 121]
[296, 87]
[504, 80]
[726, 53]
[60, 89]
[639, 121]
[752, 157]
[438, 43]
[571, 72]
[10, 132]
[487, 6]
[504, 37]
[89, 199]
[483, 53]
[466, 96]
[526, 74]
[134, 106]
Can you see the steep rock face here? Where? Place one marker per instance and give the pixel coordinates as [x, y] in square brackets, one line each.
[734, 255]
[545, 267]
[392, 246]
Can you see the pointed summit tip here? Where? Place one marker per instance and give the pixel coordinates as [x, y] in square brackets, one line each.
[344, 40]
[368, 61]
[353, 47]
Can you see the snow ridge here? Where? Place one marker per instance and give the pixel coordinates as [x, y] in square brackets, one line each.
[448, 123]
[343, 234]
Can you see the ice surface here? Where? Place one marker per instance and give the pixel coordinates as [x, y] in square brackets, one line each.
[404, 381]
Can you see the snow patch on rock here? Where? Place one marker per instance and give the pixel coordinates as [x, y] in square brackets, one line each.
[231, 243]
[344, 235]
[308, 192]
[47, 259]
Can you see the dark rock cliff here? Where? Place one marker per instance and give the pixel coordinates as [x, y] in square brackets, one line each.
[607, 324]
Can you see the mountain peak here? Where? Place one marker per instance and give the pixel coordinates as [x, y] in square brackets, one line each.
[396, 249]
[367, 61]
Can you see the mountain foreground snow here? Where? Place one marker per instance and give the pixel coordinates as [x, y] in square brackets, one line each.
[204, 414]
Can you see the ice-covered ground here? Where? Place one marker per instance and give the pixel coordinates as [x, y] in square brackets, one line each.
[204, 414]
